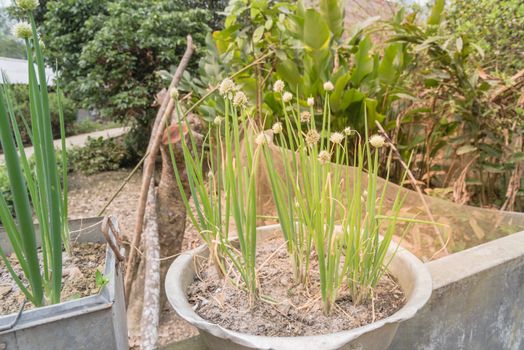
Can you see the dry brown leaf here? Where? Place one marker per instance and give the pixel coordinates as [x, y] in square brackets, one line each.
[479, 232]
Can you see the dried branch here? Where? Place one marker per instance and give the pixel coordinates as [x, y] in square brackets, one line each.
[149, 167]
[174, 83]
[415, 184]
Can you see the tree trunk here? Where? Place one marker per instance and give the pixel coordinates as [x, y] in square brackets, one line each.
[171, 211]
[151, 309]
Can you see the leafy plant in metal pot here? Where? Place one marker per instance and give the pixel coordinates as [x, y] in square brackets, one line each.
[45, 188]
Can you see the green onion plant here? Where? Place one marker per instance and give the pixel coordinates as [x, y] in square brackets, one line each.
[325, 207]
[334, 216]
[226, 192]
[40, 195]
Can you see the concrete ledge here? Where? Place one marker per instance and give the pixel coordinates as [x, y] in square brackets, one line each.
[467, 263]
[477, 301]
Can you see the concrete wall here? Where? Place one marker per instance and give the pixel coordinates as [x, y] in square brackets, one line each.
[477, 301]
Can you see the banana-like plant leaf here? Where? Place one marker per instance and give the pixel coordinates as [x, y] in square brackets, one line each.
[388, 70]
[288, 71]
[333, 14]
[363, 62]
[335, 99]
[436, 12]
[316, 33]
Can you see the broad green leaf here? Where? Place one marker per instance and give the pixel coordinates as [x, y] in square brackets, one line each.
[436, 12]
[289, 72]
[373, 115]
[335, 99]
[269, 23]
[363, 62]
[316, 33]
[333, 14]
[351, 96]
[300, 8]
[388, 69]
[257, 35]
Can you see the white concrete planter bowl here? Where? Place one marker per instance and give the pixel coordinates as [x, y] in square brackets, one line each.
[410, 272]
[96, 322]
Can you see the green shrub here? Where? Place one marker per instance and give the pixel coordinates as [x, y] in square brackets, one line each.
[88, 125]
[461, 134]
[98, 155]
[110, 52]
[9, 45]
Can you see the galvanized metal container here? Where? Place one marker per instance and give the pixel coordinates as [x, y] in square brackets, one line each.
[97, 322]
[412, 275]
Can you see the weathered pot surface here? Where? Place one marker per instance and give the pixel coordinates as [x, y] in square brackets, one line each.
[412, 275]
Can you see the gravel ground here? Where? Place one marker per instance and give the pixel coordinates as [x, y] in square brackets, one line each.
[89, 194]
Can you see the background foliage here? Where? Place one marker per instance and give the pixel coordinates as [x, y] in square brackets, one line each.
[111, 58]
[21, 110]
[467, 137]
[109, 51]
[311, 47]
[429, 79]
[9, 46]
[417, 74]
[498, 26]
[99, 155]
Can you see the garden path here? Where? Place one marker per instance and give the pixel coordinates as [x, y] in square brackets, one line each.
[79, 140]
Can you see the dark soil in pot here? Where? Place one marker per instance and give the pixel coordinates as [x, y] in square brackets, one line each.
[78, 277]
[297, 311]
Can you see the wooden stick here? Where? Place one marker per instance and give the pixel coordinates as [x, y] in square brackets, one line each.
[174, 83]
[151, 309]
[149, 168]
[415, 184]
[148, 174]
[514, 181]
